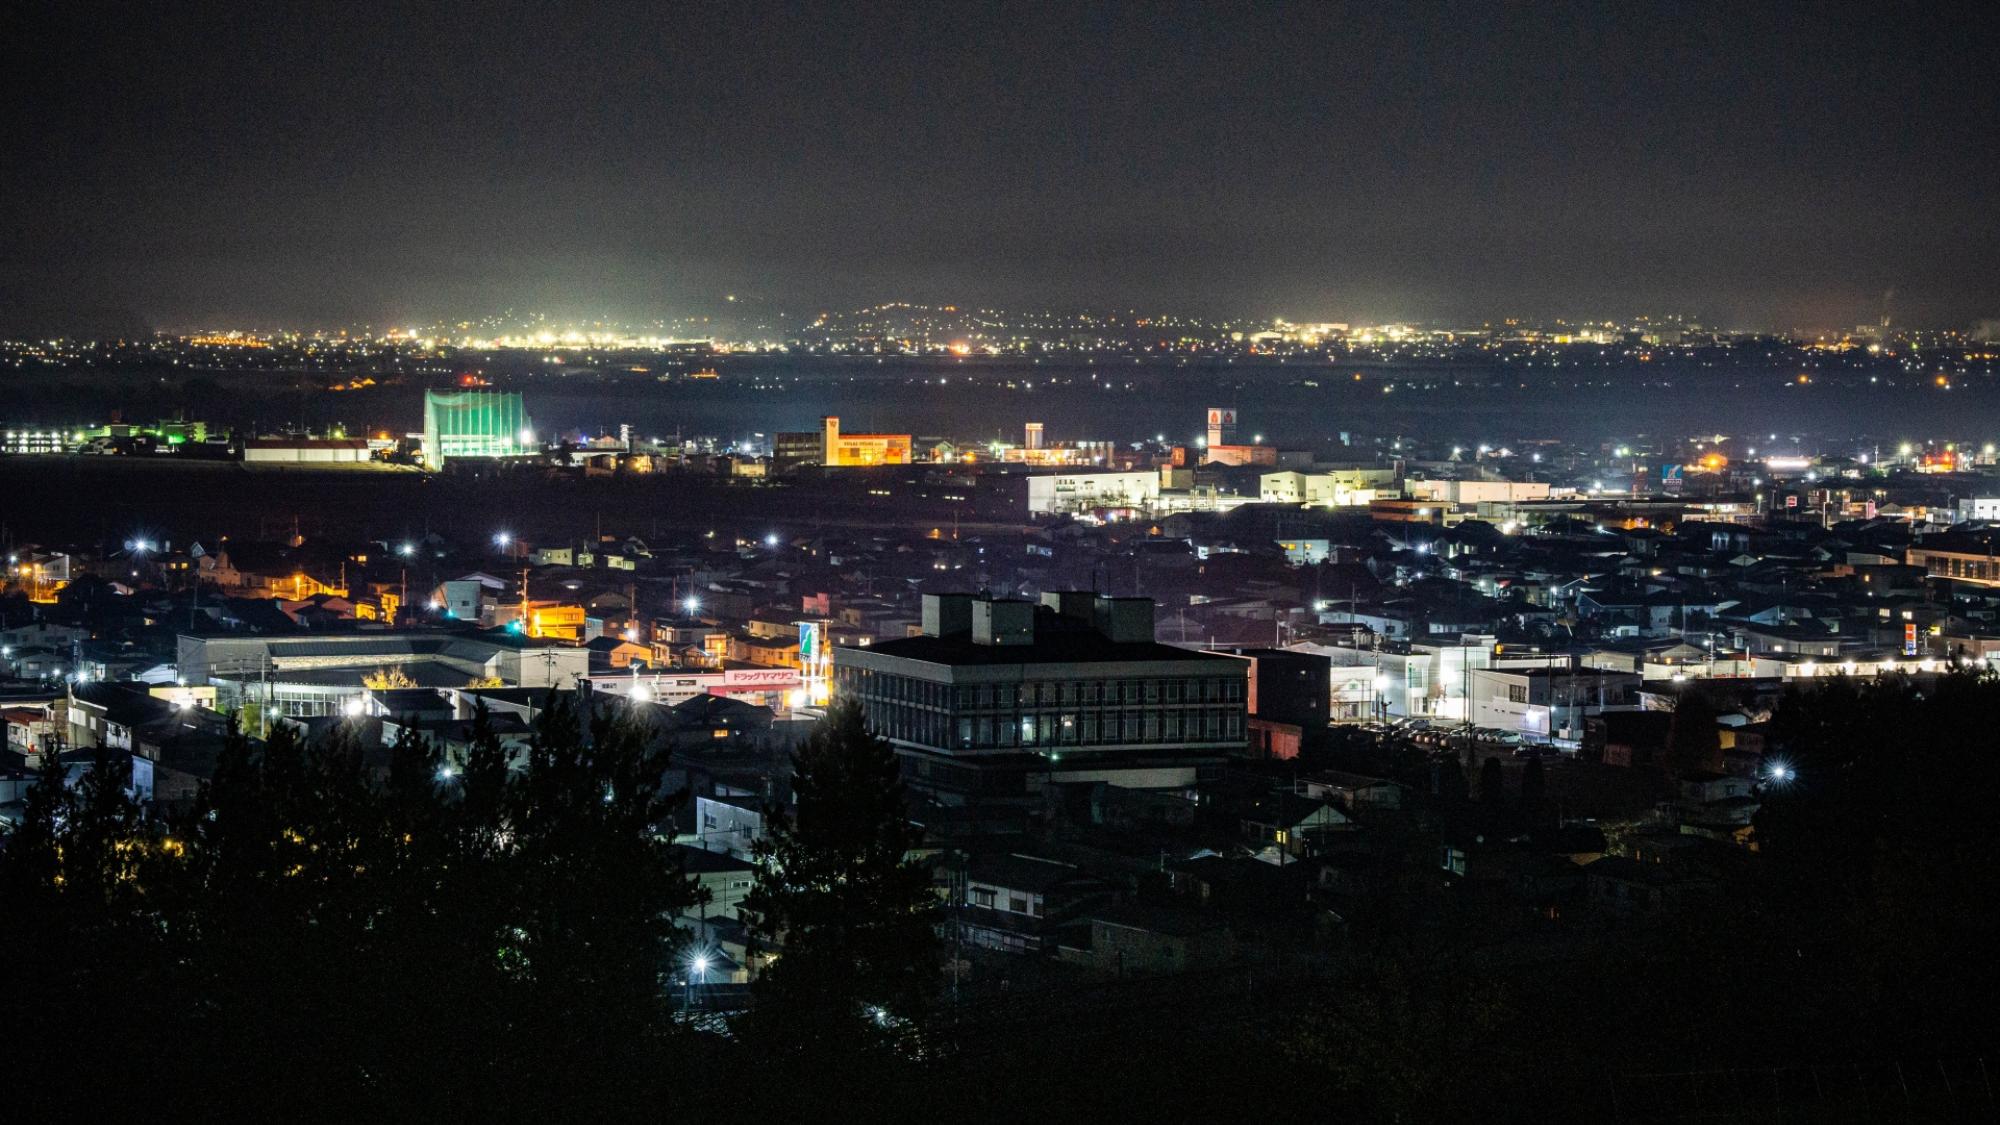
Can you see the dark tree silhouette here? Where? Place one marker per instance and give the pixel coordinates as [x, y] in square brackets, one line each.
[852, 912]
[1534, 793]
[346, 936]
[1492, 785]
[1694, 744]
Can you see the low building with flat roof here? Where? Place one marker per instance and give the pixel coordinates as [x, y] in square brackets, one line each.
[308, 674]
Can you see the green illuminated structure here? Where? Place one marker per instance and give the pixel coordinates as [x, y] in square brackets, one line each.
[475, 424]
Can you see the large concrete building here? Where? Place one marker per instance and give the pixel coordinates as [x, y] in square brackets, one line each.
[1052, 493]
[834, 449]
[999, 696]
[1327, 488]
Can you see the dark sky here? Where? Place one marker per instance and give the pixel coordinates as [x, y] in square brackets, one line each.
[258, 164]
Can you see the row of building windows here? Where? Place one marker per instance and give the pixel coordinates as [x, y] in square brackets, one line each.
[1042, 729]
[1974, 569]
[1032, 693]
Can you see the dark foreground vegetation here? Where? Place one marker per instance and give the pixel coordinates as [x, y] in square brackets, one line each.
[319, 939]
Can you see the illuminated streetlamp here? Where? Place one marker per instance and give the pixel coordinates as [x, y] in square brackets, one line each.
[697, 974]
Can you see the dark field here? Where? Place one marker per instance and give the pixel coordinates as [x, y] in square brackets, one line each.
[110, 499]
[1299, 405]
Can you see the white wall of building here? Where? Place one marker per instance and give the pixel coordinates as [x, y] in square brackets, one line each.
[1478, 491]
[1335, 489]
[1069, 492]
[305, 454]
[1979, 508]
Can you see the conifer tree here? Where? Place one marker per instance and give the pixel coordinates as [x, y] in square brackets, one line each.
[851, 912]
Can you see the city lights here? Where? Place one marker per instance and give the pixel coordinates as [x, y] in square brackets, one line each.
[1468, 717]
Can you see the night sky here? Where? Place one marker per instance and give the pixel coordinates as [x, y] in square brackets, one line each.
[254, 165]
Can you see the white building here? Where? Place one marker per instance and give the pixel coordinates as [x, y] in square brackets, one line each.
[1545, 704]
[1979, 508]
[306, 451]
[1336, 488]
[1477, 491]
[1053, 493]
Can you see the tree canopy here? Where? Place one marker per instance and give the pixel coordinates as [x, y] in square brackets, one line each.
[346, 935]
[842, 896]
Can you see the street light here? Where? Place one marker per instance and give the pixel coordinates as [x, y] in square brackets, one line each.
[697, 973]
[406, 550]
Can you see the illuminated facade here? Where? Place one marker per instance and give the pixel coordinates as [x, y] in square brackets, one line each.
[831, 448]
[860, 450]
[474, 424]
[1073, 492]
[1334, 488]
[555, 621]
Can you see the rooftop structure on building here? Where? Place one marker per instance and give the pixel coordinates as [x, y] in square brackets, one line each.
[999, 697]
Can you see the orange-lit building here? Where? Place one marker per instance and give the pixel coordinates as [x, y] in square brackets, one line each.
[554, 621]
[858, 450]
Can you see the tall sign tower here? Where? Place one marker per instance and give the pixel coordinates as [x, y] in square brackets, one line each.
[815, 662]
[1221, 426]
